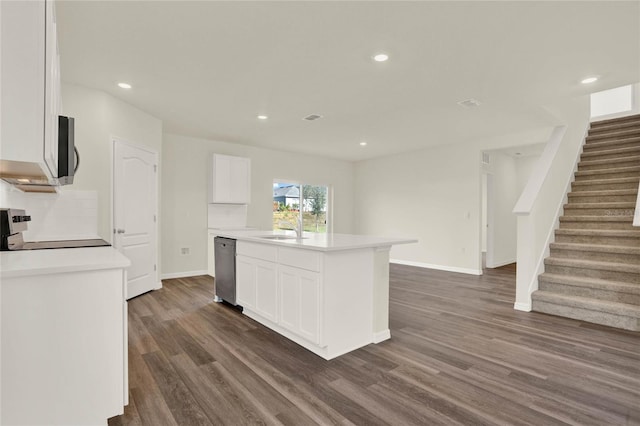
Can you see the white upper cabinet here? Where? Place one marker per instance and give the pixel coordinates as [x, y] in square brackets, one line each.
[229, 179]
[29, 87]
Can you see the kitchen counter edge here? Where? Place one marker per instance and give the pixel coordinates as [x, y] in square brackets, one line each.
[317, 242]
[25, 263]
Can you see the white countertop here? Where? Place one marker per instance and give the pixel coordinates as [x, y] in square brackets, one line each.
[23, 263]
[314, 241]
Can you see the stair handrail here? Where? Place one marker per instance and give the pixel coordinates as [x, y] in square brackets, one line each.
[541, 204]
[636, 215]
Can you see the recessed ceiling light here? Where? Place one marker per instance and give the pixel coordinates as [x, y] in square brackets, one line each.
[380, 57]
[262, 117]
[363, 143]
[589, 80]
[124, 85]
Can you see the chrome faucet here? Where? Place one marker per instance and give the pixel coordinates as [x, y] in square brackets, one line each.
[297, 227]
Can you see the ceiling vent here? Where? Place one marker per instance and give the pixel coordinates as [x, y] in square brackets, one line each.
[312, 117]
[469, 103]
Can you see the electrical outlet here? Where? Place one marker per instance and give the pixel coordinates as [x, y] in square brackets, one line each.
[185, 251]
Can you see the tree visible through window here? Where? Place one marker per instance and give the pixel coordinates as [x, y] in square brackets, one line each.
[292, 201]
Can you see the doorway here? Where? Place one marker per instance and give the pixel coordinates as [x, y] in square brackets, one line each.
[135, 219]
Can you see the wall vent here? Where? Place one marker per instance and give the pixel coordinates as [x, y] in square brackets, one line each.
[469, 103]
[312, 117]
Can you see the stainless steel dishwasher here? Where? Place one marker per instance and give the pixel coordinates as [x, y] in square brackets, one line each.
[225, 264]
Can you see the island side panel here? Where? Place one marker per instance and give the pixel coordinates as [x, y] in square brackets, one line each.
[381, 330]
[348, 300]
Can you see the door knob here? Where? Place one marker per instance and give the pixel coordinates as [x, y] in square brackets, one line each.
[120, 231]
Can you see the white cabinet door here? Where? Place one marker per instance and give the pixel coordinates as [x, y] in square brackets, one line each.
[256, 286]
[240, 180]
[246, 282]
[266, 289]
[230, 180]
[300, 302]
[22, 97]
[52, 91]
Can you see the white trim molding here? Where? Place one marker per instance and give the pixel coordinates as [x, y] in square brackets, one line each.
[526, 307]
[185, 274]
[381, 336]
[438, 267]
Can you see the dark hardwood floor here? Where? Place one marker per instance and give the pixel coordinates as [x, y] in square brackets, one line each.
[459, 354]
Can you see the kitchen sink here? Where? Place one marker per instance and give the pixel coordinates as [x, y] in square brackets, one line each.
[280, 237]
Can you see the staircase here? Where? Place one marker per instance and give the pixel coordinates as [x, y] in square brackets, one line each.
[593, 271]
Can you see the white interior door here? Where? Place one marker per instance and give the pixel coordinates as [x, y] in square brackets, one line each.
[135, 202]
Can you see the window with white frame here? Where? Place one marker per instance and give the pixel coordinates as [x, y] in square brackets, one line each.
[293, 201]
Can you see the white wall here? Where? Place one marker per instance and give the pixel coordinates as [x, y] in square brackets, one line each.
[433, 195]
[184, 193]
[98, 117]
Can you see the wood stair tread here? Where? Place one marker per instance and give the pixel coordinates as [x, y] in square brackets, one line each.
[595, 283]
[616, 308]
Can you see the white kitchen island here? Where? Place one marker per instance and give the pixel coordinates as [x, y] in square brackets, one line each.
[64, 336]
[327, 292]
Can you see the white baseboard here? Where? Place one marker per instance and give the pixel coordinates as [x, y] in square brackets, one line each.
[381, 336]
[439, 267]
[526, 307]
[500, 263]
[184, 274]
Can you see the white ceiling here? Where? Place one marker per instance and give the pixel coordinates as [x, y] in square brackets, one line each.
[207, 69]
